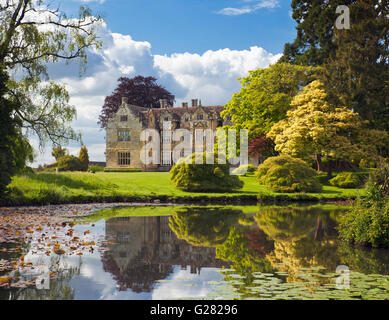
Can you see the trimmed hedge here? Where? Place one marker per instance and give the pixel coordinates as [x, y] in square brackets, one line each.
[95, 168]
[189, 176]
[122, 170]
[286, 174]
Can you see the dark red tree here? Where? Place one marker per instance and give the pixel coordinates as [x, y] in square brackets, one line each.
[140, 91]
[261, 147]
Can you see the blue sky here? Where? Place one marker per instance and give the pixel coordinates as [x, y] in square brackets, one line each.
[195, 48]
[199, 25]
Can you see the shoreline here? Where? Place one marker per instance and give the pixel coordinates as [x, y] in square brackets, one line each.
[172, 200]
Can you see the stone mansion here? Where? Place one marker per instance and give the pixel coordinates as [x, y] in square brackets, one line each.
[123, 143]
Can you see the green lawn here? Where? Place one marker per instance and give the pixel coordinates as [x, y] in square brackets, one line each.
[122, 186]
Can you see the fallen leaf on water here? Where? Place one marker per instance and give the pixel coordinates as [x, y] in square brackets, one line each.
[5, 279]
[59, 251]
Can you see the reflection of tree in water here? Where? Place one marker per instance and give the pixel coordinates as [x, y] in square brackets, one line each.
[246, 248]
[206, 227]
[365, 260]
[304, 237]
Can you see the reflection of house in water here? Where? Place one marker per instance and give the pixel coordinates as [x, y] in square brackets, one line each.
[146, 250]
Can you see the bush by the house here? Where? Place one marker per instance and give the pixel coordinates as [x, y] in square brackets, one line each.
[95, 169]
[69, 163]
[246, 169]
[188, 175]
[286, 174]
[349, 180]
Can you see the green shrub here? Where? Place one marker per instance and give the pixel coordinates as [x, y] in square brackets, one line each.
[379, 178]
[349, 180]
[245, 169]
[189, 176]
[367, 163]
[366, 225]
[95, 169]
[69, 163]
[286, 174]
[122, 170]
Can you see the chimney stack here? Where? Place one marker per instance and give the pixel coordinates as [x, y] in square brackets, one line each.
[124, 100]
[185, 104]
[194, 102]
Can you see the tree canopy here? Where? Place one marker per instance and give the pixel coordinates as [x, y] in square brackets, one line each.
[356, 74]
[140, 91]
[266, 94]
[316, 127]
[315, 26]
[33, 36]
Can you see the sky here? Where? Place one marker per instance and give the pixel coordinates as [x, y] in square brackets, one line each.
[195, 48]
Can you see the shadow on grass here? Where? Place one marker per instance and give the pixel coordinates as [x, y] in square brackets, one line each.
[69, 182]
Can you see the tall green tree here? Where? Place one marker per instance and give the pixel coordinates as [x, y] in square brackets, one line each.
[14, 148]
[33, 35]
[357, 72]
[315, 27]
[84, 157]
[59, 152]
[266, 94]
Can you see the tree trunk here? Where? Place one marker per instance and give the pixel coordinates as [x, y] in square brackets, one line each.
[330, 166]
[318, 162]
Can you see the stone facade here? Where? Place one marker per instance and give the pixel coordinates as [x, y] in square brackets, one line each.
[123, 143]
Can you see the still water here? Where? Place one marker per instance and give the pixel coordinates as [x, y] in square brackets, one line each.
[195, 253]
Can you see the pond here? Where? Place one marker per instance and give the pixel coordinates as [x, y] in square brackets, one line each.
[188, 252]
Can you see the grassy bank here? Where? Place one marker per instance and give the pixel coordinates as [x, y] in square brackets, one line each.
[80, 187]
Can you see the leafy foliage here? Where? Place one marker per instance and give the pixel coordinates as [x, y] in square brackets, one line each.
[189, 176]
[84, 158]
[315, 27]
[286, 174]
[349, 180]
[357, 71]
[15, 150]
[316, 127]
[266, 95]
[140, 91]
[58, 152]
[33, 36]
[70, 163]
[367, 225]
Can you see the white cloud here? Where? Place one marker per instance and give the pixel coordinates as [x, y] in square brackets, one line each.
[259, 4]
[210, 76]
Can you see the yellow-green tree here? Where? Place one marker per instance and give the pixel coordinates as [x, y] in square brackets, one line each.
[266, 94]
[317, 128]
[84, 157]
